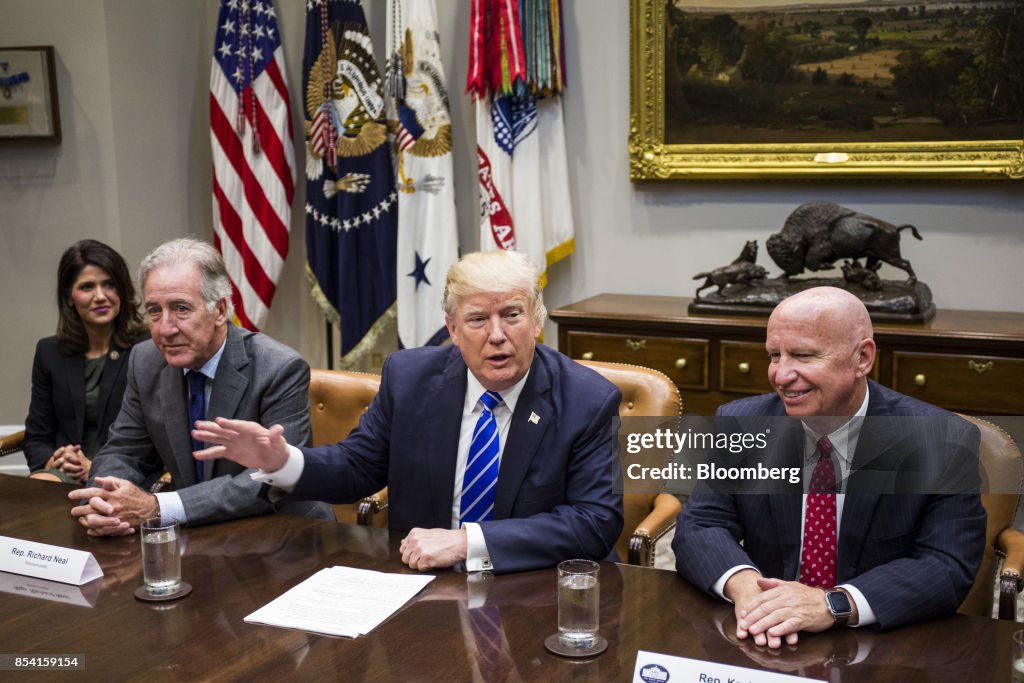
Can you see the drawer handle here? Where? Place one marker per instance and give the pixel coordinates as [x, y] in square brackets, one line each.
[587, 355]
[636, 344]
[980, 368]
[920, 380]
[680, 363]
[744, 367]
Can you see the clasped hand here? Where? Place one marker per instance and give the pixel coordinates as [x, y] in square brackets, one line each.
[771, 611]
[72, 461]
[114, 507]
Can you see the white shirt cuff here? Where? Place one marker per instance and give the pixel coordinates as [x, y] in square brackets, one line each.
[288, 476]
[171, 506]
[865, 615]
[719, 586]
[477, 557]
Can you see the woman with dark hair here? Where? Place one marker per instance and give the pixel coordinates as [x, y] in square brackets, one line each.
[79, 375]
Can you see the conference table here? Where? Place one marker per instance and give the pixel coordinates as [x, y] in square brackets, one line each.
[238, 566]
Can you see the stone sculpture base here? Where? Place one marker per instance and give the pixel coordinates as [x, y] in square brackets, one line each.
[896, 302]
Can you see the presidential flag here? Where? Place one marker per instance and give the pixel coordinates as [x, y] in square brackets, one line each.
[516, 76]
[253, 156]
[418, 115]
[351, 203]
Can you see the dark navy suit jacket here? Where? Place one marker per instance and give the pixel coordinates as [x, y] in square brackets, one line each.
[912, 554]
[554, 497]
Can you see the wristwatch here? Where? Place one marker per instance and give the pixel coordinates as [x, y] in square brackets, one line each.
[839, 605]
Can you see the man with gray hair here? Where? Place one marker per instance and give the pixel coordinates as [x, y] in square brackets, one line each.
[197, 365]
[497, 453]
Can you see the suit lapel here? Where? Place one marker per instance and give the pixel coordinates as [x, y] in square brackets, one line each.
[865, 483]
[111, 368]
[440, 422]
[524, 436]
[785, 509]
[229, 385]
[171, 390]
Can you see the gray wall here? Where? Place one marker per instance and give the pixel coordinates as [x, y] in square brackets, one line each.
[134, 170]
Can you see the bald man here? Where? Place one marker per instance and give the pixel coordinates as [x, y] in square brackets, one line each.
[880, 557]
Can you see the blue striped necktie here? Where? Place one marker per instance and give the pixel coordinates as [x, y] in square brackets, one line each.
[196, 411]
[481, 475]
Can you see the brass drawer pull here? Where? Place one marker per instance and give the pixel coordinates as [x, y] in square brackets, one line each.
[744, 367]
[980, 368]
[587, 355]
[637, 344]
[920, 380]
[680, 363]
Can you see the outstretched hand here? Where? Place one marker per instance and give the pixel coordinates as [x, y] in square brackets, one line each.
[247, 443]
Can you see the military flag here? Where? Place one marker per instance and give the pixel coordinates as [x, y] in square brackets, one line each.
[516, 76]
[418, 115]
[253, 156]
[351, 203]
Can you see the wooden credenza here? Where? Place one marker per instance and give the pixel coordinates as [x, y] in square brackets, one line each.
[968, 361]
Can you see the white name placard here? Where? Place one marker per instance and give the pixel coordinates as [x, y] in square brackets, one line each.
[50, 562]
[652, 667]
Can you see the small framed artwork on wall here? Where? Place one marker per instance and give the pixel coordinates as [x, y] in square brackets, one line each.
[29, 110]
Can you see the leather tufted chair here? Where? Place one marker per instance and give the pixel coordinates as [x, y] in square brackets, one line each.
[337, 399]
[648, 516]
[1002, 470]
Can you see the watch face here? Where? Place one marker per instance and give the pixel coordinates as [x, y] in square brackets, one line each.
[838, 602]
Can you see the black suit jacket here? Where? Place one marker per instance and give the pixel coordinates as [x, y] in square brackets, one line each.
[56, 414]
[910, 539]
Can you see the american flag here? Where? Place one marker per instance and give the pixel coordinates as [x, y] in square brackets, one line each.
[253, 156]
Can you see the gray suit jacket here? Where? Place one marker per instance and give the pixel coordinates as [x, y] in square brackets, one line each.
[257, 379]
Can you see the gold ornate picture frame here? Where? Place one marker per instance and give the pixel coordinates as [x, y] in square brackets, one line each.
[29, 111]
[871, 151]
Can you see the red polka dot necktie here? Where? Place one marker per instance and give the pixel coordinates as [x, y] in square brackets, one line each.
[818, 556]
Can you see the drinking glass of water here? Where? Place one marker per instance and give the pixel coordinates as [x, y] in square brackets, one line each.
[161, 555]
[579, 603]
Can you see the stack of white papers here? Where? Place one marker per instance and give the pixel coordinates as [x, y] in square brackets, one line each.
[341, 601]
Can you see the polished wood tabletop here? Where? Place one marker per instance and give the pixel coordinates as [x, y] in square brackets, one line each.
[236, 567]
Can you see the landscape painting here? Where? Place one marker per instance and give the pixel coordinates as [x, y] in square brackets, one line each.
[748, 71]
[934, 87]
